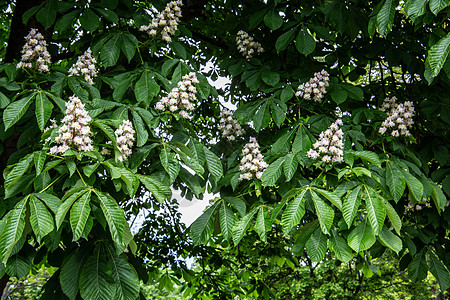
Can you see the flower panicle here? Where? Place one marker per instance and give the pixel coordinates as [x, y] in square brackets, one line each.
[34, 53]
[85, 66]
[252, 162]
[165, 22]
[125, 139]
[315, 88]
[330, 146]
[399, 117]
[181, 99]
[229, 126]
[247, 46]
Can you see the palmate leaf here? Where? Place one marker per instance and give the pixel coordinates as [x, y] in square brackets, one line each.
[362, 237]
[273, 172]
[17, 172]
[170, 163]
[290, 165]
[158, 189]
[324, 213]
[79, 215]
[417, 268]
[351, 205]
[96, 281]
[19, 265]
[375, 209]
[330, 196]
[70, 272]
[414, 185]
[241, 226]
[339, 246]
[13, 229]
[16, 110]
[437, 5]
[40, 218]
[437, 55]
[227, 220]
[390, 240]
[114, 215]
[110, 51]
[213, 164]
[294, 212]
[202, 228]
[415, 8]
[439, 270]
[262, 223]
[146, 88]
[43, 110]
[395, 181]
[141, 131]
[124, 275]
[316, 246]
[385, 17]
[67, 202]
[392, 215]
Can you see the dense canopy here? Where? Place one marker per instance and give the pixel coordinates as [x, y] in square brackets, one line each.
[328, 141]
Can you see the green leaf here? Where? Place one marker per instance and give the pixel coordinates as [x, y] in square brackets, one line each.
[114, 216]
[158, 189]
[146, 88]
[129, 43]
[417, 268]
[13, 229]
[285, 39]
[415, 8]
[339, 246]
[437, 55]
[89, 20]
[339, 95]
[213, 164]
[273, 20]
[369, 156]
[47, 15]
[67, 204]
[324, 213]
[109, 15]
[270, 78]
[439, 270]
[39, 160]
[40, 219]
[283, 144]
[227, 220]
[262, 117]
[51, 201]
[437, 5]
[395, 181]
[178, 49]
[273, 172]
[70, 272]
[170, 163]
[390, 240]
[19, 265]
[385, 17]
[438, 197]
[316, 246]
[302, 142]
[392, 215]
[294, 212]
[110, 52]
[304, 42]
[330, 196]
[79, 215]
[262, 223]
[96, 282]
[241, 226]
[4, 101]
[362, 237]
[237, 203]
[354, 92]
[290, 165]
[202, 228]
[16, 110]
[197, 151]
[17, 172]
[124, 275]
[141, 131]
[375, 209]
[43, 110]
[414, 185]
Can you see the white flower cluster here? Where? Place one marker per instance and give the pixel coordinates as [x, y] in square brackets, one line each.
[416, 207]
[167, 20]
[252, 162]
[246, 45]
[399, 117]
[75, 131]
[229, 126]
[330, 144]
[85, 66]
[182, 97]
[315, 88]
[34, 52]
[125, 139]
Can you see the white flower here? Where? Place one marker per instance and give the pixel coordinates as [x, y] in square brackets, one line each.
[399, 117]
[75, 131]
[125, 139]
[252, 162]
[166, 22]
[330, 145]
[229, 126]
[310, 90]
[246, 45]
[34, 52]
[85, 66]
